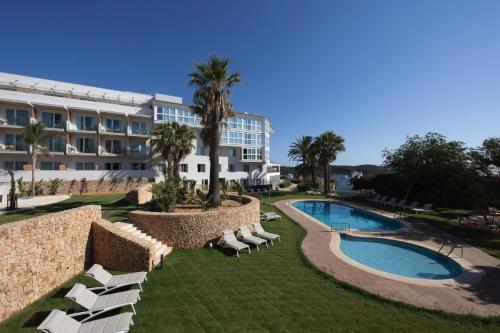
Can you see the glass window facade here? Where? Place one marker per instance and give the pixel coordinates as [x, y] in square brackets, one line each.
[182, 116]
[252, 154]
[139, 127]
[85, 166]
[17, 117]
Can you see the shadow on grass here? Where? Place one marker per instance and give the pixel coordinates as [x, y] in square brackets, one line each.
[36, 319]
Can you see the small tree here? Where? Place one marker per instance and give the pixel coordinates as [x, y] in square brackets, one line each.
[165, 194]
[54, 185]
[12, 197]
[34, 136]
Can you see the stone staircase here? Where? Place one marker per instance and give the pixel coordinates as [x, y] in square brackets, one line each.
[160, 248]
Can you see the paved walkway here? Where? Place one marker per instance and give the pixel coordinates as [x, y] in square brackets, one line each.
[480, 297]
[24, 204]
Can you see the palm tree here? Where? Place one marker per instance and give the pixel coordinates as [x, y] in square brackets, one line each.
[163, 142]
[184, 137]
[301, 151]
[34, 137]
[212, 102]
[328, 145]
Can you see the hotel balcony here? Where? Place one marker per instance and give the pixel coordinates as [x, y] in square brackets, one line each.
[71, 127]
[85, 151]
[55, 127]
[111, 152]
[273, 168]
[144, 133]
[138, 152]
[15, 122]
[13, 149]
[55, 149]
[111, 131]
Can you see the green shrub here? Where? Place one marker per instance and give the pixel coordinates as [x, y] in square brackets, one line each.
[165, 195]
[38, 188]
[21, 188]
[54, 185]
[12, 197]
[285, 183]
[202, 200]
[307, 185]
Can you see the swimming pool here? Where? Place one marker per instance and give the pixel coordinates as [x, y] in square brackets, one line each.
[330, 212]
[399, 258]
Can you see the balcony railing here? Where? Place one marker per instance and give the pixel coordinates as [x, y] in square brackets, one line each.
[138, 152]
[272, 169]
[14, 121]
[17, 147]
[74, 127]
[104, 129]
[138, 131]
[83, 150]
[114, 151]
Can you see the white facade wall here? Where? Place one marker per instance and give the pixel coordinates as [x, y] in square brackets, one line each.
[137, 113]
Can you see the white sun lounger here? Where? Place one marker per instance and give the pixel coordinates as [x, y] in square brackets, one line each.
[425, 209]
[260, 232]
[110, 282]
[231, 242]
[414, 204]
[399, 204]
[269, 216]
[382, 201]
[59, 322]
[390, 202]
[247, 236]
[98, 304]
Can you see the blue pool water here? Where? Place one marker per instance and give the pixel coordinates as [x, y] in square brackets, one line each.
[330, 212]
[399, 258]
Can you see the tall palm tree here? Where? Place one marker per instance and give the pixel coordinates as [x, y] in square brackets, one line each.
[184, 137]
[34, 137]
[212, 102]
[163, 141]
[328, 145]
[301, 151]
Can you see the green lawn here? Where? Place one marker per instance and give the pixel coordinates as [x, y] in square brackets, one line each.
[274, 290]
[114, 207]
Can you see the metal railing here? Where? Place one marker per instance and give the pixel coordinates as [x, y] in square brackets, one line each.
[346, 225]
[453, 246]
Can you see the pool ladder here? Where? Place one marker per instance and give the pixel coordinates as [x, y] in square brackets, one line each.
[453, 246]
[347, 226]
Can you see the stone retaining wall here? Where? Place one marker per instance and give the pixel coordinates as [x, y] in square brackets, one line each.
[40, 253]
[196, 229]
[140, 195]
[75, 186]
[116, 249]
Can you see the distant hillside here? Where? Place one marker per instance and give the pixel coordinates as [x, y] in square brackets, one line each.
[367, 169]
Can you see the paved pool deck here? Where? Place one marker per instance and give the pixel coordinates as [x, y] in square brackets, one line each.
[25, 204]
[478, 293]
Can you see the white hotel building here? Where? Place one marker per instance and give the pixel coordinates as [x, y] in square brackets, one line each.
[105, 133]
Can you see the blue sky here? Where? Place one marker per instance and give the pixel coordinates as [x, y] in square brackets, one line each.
[372, 71]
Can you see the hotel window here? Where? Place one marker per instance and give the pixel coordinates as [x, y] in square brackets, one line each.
[113, 166]
[252, 154]
[7, 165]
[54, 143]
[165, 113]
[52, 120]
[185, 117]
[200, 150]
[183, 167]
[138, 147]
[233, 152]
[139, 127]
[235, 122]
[114, 125]
[85, 166]
[15, 142]
[138, 166]
[17, 117]
[231, 168]
[50, 165]
[85, 145]
[201, 167]
[113, 146]
[246, 168]
[85, 123]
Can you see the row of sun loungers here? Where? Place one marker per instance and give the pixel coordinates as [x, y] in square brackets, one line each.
[396, 203]
[258, 237]
[269, 216]
[92, 305]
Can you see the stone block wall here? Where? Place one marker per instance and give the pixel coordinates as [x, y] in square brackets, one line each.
[41, 253]
[76, 186]
[116, 249]
[195, 229]
[38, 254]
[140, 195]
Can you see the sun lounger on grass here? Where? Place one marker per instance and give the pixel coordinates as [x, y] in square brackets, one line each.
[230, 241]
[95, 305]
[425, 209]
[399, 204]
[414, 204]
[110, 282]
[247, 237]
[269, 216]
[59, 322]
[260, 232]
[390, 202]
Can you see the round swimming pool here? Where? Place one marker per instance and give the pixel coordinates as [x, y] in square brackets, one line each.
[340, 215]
[399, 258]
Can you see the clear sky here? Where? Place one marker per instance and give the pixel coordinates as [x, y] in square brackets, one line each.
[372, 71]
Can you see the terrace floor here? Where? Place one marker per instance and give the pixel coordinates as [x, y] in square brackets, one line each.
[479, 295]
[274, 290]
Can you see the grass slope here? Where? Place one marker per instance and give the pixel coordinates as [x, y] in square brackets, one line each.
[274, 290]
[114, 207]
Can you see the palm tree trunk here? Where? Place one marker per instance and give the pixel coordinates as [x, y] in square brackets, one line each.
[170, 170]
[176, 168]
[325, 175]
[165, 168]
[33, 168]
[328, 177]
[214, 186]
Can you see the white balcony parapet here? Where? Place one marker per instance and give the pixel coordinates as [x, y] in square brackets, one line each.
[70, 126]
